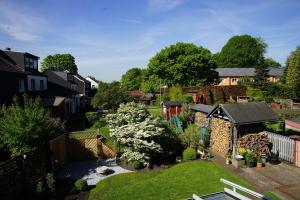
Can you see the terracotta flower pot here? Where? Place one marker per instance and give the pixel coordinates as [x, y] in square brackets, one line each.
[259, 165]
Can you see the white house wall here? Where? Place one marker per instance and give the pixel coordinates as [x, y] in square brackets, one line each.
[37, 82]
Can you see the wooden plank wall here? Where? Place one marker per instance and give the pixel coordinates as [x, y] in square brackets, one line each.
[58, 148]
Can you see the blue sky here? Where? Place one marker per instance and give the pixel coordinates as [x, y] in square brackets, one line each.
[108, 37]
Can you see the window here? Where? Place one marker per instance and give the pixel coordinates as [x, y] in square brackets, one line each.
[32, 84]
[234, 80]
[35, 62]
[27, 62]
[42, 85]
[21, 85]
[31, 63]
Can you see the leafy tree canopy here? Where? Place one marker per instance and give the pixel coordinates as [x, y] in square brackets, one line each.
[59, 62]
[242, 51]
[109, 96]
[152, 83]
[176, 94]
[292, 77]
[132, 79]
[269, 62]
[183, 64]
[23, 127]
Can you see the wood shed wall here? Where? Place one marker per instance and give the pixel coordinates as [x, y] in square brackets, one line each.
[220, 139]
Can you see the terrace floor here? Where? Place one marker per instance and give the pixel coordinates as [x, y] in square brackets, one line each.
[87, 170]
[282, 179]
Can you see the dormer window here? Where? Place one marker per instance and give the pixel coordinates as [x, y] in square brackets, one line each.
[31, 63]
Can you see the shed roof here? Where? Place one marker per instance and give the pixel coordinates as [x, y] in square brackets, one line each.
[172, 103]
[295, 120]
[202, 108]
[247, 113]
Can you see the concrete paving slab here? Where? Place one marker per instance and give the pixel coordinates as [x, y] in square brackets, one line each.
[87, 170]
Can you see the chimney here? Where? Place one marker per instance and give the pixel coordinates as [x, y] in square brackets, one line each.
[7, 48]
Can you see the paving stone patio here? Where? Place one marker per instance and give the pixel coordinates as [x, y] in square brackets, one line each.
[282, 179]
[87, 170]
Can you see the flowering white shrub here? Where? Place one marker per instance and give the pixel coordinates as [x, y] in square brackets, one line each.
[134, 128]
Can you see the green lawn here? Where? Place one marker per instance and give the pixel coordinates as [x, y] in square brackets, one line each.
[178, 182]
[154, 110]
[272, 196]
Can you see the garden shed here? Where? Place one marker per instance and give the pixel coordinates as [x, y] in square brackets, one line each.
[201, 111]
[170, 108]
[293, 124]
[228, 122]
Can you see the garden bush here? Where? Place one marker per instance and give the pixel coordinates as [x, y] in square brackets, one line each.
[161, 98]
[137, 164]
[81, 185]
[101, 122]
[92, 117]
[187, 98]
[189, 154]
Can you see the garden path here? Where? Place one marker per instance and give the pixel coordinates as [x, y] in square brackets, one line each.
[87, 170]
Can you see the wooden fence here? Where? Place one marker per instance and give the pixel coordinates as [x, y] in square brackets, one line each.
[297, 153]
[58, 148]
[284, 145]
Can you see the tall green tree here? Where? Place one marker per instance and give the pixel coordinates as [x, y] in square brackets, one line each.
[292, 78]
[242, 51]
[269, 62]
[176, 94]
[24, 126]
[261, 75]
[183, 64]
[132, 79]
[109, 96]
[59, 62]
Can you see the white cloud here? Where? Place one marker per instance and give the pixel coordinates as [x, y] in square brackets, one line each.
[163, 5]
[134, 21]
[19, 25]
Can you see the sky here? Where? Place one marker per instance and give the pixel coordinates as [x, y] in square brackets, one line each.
[108, 37]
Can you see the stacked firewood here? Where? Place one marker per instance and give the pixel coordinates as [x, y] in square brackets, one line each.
[258, 142]
[220, 138]
[201, 119]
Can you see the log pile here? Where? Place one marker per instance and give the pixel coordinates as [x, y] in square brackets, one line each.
[201, 119]
[220, 138]
[258, 142]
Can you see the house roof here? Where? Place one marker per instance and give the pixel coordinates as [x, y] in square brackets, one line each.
[202, 108]
[81, 78]
[57, 85]
[93, 78]
[247, 113]
[16, 53]
[172, 103]
[136, 93]
[239, 72]
[8, 65]
[51, 102]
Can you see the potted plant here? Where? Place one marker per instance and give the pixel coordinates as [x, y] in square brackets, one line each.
[263, 158]
[242, 151]
[228, 158]
[250, 159]
[259, 163]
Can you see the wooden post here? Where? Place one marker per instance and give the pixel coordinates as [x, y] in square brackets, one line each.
[234, 141]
